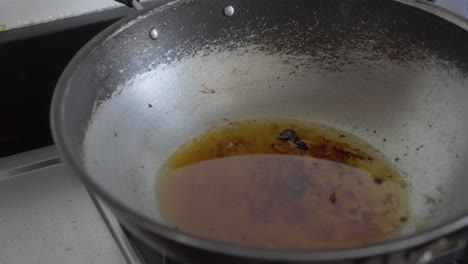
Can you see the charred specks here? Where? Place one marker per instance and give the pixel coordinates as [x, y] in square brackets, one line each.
[150, 105]
[298, 143]
[420, 147]
[208, 91]
[332, 198]
[397, 159]
[341, 136]
[287, 134]
[403, 219]
[116, 134]
[456, 156]
[378, 181]
[375, 131]
[429, 199]
[384, 140]
[291, 137]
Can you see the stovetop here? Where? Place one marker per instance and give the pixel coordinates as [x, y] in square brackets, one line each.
[47, 216]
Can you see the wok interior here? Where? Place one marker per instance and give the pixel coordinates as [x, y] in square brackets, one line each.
[347, 64]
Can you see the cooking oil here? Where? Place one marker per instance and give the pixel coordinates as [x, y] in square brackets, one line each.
[247, 183]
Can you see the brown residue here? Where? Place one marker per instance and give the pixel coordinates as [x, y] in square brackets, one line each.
[338, 152]
[206, 90]
[332, 198]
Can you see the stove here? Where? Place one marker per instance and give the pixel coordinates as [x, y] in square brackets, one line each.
[48, 216]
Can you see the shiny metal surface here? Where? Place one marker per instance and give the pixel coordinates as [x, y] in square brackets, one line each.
[47, 216]
[153, 34]
[229, 11]
[377, 69]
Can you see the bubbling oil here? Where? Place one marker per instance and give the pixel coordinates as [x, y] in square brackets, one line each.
[240, 183]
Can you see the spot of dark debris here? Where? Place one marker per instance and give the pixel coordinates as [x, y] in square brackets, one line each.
[332, 198]
[367, 129]
[378, 180]
[374, 131]
[208, 91]
[404, 125]
[403, 219]
[341, 136]
[116, 134]
[430, 125]
[150, 105]
[282, 86]
[384, 139]
[406, 154]
[456, 156]
[397, 159]
[277, 78]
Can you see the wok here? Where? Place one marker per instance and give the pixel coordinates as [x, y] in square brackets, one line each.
[377, 69]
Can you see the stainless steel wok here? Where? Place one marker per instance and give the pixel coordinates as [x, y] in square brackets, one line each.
[378, 69]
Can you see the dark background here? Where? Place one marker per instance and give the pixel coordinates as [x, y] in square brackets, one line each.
[29, 70]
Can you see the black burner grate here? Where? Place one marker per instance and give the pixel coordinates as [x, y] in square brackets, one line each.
[147, 254]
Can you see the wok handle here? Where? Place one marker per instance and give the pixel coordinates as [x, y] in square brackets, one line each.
[131, 3]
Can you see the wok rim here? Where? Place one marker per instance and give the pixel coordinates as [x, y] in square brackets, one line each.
[132, 217]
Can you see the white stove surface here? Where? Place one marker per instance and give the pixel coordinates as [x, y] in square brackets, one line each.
[48, 217]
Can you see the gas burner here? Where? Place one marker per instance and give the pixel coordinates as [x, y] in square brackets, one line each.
[147, 254]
